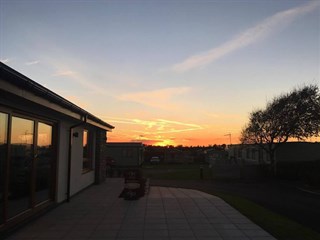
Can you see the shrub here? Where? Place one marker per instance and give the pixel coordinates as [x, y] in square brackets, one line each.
[308, 172]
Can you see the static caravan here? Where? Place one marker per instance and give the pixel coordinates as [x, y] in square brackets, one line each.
[126, 154]
[287, 152]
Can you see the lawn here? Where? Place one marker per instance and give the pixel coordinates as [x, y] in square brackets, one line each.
[279, 226]
[177, 171]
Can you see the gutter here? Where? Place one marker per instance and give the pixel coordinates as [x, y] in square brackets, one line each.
[69, 155]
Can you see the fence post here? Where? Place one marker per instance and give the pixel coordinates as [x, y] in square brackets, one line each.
[201, 172]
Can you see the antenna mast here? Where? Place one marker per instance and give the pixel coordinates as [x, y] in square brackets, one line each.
[228, 134]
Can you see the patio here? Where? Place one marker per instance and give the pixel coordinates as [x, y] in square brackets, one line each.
[164, 213]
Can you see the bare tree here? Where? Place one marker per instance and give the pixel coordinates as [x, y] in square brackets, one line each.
[294, 115]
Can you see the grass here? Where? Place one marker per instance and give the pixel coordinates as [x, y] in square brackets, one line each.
[176, 171]
[279, 226]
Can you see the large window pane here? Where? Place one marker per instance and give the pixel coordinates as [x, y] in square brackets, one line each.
[85, 144]
[43, 162]
[3, 157]
[20, 165]
[87, 155]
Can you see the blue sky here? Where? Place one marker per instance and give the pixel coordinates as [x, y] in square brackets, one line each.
[165, 72]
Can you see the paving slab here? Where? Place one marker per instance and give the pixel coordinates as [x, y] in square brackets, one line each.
[164, 213]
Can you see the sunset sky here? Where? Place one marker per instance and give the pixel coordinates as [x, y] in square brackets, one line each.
[165, 72]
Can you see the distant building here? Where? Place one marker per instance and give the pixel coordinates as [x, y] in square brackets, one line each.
[287, 152]
[214, 156]
[174, 155]
[126, 154]
[50, 149]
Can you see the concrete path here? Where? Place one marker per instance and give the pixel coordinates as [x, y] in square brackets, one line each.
[165, 213]
[279, 196]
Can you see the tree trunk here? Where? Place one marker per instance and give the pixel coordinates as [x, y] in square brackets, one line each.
[273, 163]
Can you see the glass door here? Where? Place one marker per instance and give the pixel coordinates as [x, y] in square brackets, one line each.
[27, 165]
[43, 163]
[30, 165]
[20, 165]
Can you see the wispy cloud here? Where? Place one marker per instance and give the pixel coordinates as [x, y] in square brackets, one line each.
[157, 126]
[260, 31]
[157, 131]
[186, 126]
[64, 73]
[81, 80]
[224, 116]
[71, 69]
[31, 63]
[155, 98]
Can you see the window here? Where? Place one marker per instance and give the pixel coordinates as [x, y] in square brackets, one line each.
[239, 152]
[3, 158]
[253, 154]
[87, 156]
[248, 153]
[127, 152]
[21, 165]
[43, 163]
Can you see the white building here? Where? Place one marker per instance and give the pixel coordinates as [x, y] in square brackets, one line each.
[50, 149]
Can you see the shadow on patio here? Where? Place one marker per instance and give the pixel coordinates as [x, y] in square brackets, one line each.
[164, 213]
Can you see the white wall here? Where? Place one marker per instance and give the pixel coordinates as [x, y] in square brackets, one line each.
[80, 180]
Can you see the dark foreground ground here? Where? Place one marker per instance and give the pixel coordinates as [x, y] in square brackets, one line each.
[285, 198]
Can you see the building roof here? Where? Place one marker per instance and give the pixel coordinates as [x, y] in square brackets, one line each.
[293, 143]
[12, 77]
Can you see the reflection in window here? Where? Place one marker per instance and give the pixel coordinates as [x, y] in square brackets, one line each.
[3, 157]
[87, 158]
[43, 162]
[85, 143]
[20, 165]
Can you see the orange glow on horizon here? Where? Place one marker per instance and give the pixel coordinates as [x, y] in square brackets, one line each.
[176, 140]
[164, 132]
[165, 143]
[199, 142]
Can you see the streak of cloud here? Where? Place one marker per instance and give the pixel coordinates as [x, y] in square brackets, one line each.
[158, 126]
[31, 63]
[158, 131]
[79, 79]
[64, 73]
[155, 98]
[260, 31]
[190, 126]
[71, 69]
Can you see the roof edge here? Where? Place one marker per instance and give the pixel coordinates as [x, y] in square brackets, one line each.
[22, 81]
